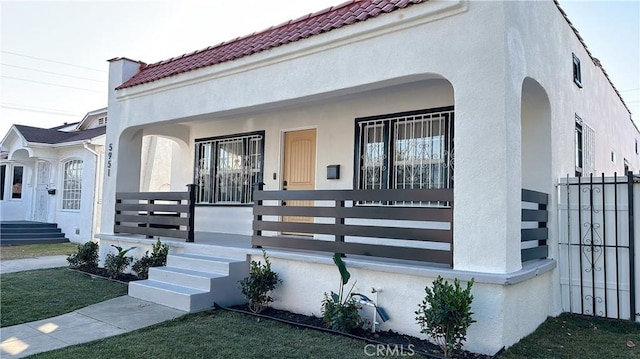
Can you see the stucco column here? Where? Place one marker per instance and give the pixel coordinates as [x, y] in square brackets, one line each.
[122, 148]
[487, 177]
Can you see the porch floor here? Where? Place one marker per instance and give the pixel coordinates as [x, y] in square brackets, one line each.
[223, 239]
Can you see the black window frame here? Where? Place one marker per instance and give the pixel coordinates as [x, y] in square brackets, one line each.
[579, 147]
[213, 168]
[14, 181]
[387, 177]
[577, 71]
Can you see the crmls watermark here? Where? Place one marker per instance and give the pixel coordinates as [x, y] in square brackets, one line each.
[382, 350]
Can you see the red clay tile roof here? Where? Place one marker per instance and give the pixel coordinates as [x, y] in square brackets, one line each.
[313, 24]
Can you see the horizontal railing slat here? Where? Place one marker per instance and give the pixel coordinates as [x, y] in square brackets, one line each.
[409, 253]
[159, 196]
[534, 234]
[173, 233]
[172, 208]
[382, 195]
[371, 212]
[539, 252]
[415, 234]
[534, 196]
[159, 219]
[535, 215]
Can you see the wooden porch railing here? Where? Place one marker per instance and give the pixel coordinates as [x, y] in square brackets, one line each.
[353, 213]
[540, 217]
[166, 214]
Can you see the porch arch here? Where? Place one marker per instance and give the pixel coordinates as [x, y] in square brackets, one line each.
[152, 156]
[535, 116]
[21, 154]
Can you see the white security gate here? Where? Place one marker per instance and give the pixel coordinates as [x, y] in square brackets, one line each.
[41, 210]
[597, 228]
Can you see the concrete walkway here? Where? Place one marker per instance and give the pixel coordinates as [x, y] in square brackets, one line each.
[19, 265]
[95, 322]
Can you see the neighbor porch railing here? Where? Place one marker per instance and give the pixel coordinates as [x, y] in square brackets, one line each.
[166, 214]
[343, 221]
[534, 232]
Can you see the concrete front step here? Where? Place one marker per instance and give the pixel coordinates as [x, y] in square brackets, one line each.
[193, 282]
[171, 295]
[199, 262]
[216, 251]
[185, 277]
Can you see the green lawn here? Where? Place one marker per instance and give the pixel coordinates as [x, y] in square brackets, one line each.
[574, 336]
[40, 294]
[218, 334]
[37, 250]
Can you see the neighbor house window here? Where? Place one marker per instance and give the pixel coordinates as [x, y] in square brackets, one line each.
[227, 168]
[16, 189]
[72, 185]
[406, 150]
[584, 148]
[577, 71]
[3, 174]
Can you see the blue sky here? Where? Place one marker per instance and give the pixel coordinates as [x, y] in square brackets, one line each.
[53, 60]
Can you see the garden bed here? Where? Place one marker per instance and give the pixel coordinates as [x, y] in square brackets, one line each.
[403, 343]
[102, 273]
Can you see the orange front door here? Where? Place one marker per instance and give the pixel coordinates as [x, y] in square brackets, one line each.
[299, 167]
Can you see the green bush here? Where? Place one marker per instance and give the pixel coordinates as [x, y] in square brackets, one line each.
[340, 311]
[87, 257]
[260, 282]
[445, 314]
[115, 264]
[158, 258]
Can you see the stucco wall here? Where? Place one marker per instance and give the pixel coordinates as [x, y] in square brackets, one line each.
[546, 56]
[495, 305]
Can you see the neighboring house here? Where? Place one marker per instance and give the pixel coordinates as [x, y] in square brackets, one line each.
[53, 175]
[478, 99]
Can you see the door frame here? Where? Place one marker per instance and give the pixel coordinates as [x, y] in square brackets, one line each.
[282, 153]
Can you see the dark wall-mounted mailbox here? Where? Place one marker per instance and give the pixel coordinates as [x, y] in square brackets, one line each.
[51, 191]
[333, 172]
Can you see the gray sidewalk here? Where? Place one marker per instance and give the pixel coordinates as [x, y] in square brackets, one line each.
[18, 265]
[97, 321]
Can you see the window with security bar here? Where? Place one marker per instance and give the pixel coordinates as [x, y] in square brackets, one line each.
[227, 168]
[407, 150]
[585, 143]
[72, 185]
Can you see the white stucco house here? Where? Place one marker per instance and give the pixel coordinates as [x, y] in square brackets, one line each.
[53, 175]
[470, 102]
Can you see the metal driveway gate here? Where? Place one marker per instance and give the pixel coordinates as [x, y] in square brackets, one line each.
[596, 245]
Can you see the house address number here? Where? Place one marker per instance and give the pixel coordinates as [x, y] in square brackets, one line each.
[109, 155]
